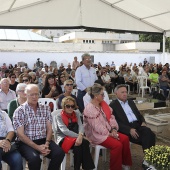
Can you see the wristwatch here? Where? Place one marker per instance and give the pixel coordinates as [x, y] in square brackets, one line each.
[8, 140]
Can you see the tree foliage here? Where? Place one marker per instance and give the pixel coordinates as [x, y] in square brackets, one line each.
[155, 38]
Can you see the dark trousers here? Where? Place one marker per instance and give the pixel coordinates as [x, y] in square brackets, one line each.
[165, 88]
[146, 136]
[13, 159]
[83, 156]
[80, 102]
[33, 156]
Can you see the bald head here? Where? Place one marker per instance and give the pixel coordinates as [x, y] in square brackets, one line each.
[31, 87]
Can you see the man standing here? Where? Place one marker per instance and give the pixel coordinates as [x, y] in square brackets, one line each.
[130, 121]
[75, 63]
[6, 94]
[33, 125]
[85, 77]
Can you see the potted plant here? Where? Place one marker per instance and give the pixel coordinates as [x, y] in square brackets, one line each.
[157, 158]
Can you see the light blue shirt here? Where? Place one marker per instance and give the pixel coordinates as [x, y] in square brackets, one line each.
[85, 77]
[128, 111]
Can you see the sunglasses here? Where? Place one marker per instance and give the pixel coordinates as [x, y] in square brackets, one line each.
[25, 80]
[69, 84]
[102, 94]
[69, 106]
[13, 77]
[62, 77]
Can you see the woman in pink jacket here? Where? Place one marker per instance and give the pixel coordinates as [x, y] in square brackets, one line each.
[101, 128]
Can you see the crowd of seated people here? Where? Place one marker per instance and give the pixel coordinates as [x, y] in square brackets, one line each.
[58, 83]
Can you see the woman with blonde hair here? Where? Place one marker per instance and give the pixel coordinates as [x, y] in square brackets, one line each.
[21, 98]
[68, 87]
[70, 134]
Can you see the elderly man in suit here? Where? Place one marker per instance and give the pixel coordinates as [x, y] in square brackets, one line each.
[129, 119]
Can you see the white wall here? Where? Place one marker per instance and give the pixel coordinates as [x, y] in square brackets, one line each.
[118, 58]
[140, 46]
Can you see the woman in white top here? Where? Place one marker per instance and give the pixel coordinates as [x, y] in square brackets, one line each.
[107, 82]
[87, 98]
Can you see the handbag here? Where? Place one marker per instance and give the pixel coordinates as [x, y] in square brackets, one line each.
[67, 144]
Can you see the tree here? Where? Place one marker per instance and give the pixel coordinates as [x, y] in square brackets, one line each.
[155, 38]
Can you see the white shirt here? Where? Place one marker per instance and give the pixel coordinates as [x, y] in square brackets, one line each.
[105, 78]
[87, 98]
[6, 98]
[5, 124]
[85, 77]
[128, 111]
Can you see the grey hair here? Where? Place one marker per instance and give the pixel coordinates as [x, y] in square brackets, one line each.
[72, 71]
[4, 79]
[20, 85]
[69, 80]
[118, 87]
[32, 73]
[94, 90]
[85, 55]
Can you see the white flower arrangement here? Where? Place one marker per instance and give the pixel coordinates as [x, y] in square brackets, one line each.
[158, 157]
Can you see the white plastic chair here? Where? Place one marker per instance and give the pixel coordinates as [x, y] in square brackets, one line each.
[54, 126]
[74, 92]
[96, 154]
[142, 81]
[128, 88]
[4, 165]
[46, 101]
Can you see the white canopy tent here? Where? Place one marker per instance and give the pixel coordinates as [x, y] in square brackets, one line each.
[116, 15]
[125, 15]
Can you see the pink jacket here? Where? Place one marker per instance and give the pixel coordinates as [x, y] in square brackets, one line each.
[96, 126]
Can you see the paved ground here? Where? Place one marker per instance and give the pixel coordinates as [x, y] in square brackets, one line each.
[137, 157]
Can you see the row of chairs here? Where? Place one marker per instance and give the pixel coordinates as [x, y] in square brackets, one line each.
[142, 82]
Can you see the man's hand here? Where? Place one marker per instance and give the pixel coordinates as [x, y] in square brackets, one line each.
[133, 133]
[5, 144]
[143, 124]
[43, 149]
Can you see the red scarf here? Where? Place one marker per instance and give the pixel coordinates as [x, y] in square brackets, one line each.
[65, 117]
[106, 110]
[68, 141]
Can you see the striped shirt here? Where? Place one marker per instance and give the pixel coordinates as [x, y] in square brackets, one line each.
[34, 123]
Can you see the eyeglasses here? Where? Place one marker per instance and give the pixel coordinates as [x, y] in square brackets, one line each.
[69, 106]
[87, 59]
[25, 80]
[34, 94]
[5, 82]
[69, 84]
[21, 91]
[13, 77]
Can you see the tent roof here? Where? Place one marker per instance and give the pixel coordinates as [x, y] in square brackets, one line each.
[21, 35]
[125, 15]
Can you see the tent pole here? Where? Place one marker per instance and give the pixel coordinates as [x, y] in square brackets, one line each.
[163, 46]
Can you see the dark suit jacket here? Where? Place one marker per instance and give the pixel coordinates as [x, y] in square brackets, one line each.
[121, 118]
